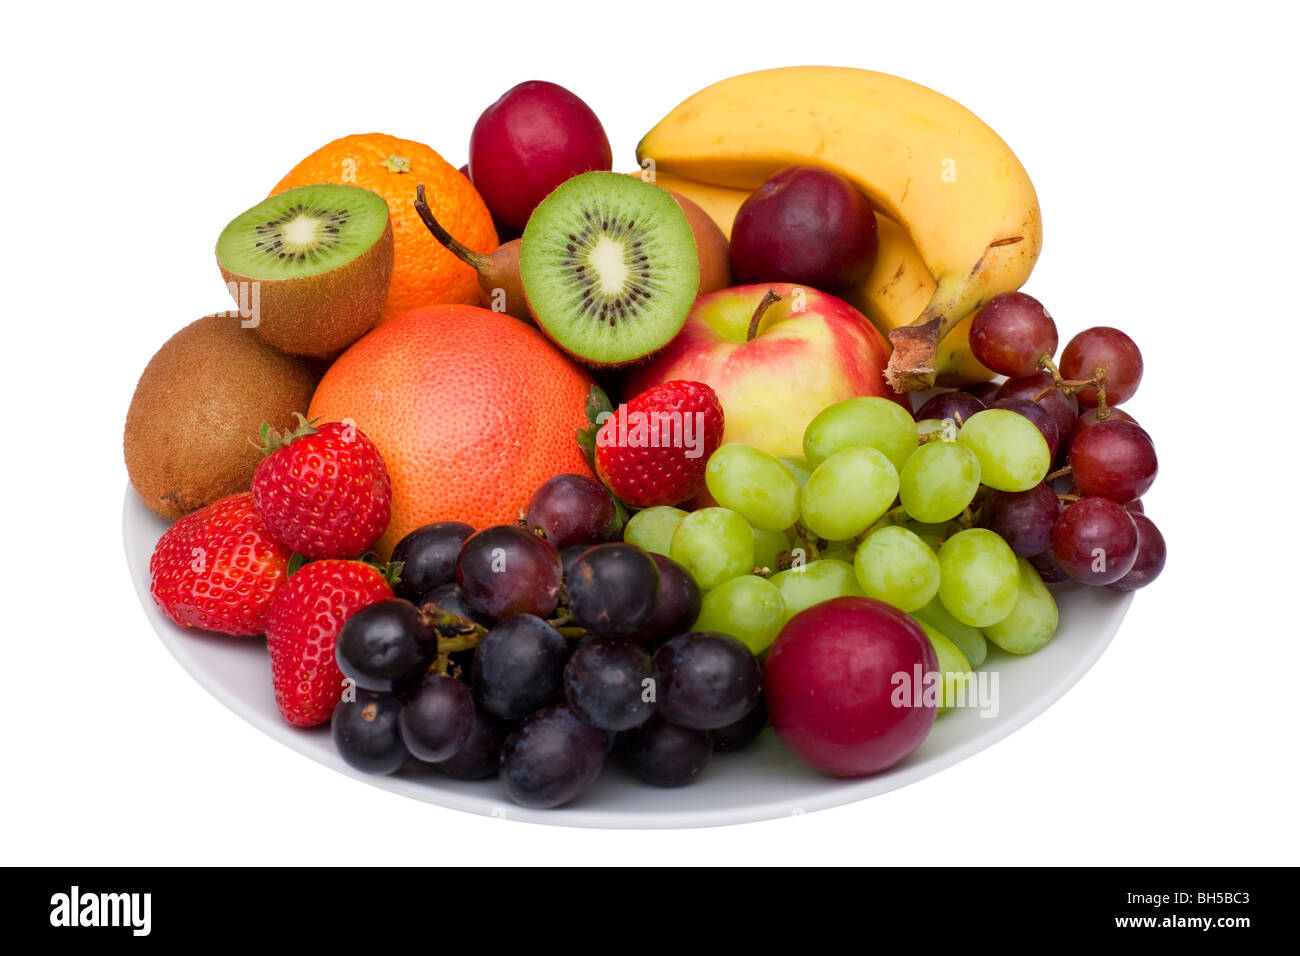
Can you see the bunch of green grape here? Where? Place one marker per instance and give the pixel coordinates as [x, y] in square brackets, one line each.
[879, 505]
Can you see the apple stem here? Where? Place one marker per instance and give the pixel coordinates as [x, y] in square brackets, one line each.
[459, 250]
[770, 298]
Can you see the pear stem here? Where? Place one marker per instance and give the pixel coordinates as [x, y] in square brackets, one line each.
[459, 250]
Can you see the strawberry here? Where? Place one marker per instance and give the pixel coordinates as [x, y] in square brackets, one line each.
[218, 568]
[302, 627]
[322, 491]
[653, 450]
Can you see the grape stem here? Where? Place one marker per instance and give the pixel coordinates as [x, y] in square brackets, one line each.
[455, 633]
[1059, 473]
[808, 540]
[1072, 386]
[762, 572]
[893, 516]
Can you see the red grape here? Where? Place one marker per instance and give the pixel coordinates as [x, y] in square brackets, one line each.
[984, 391]
[1109, 350]
[505, 570]
[1064, 408]
[1012, 333]
[1024, 519]
[1114, 460]
[428, 557]
[572, 509]
[1135, 507]
[707, 680]
[613, 589]
[678, 607]
[1088, 417]
[950, 406]
[666, 755]
[551, 758]
[1150, 558]
[1042, 418]
[1048, 568]
[437, 718]
[1095, 540]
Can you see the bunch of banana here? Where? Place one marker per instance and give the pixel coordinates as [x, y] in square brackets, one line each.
[891, 296]
[925, 162]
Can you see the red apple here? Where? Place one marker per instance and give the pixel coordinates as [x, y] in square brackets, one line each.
[536, 136]
[808, 350]
[845, 686]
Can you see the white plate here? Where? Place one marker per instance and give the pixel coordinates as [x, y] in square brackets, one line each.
[759, 783]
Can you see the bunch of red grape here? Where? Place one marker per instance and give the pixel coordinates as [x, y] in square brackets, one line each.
[1095, 531]
[534, 651]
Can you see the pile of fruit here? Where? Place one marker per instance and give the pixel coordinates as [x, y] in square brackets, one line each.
[844, 453]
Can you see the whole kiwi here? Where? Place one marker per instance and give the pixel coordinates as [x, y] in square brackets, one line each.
[711, 245]
[201, 398]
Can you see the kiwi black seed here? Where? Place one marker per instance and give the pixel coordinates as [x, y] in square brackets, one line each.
[201, 398]
[321, 257]
[609, 266]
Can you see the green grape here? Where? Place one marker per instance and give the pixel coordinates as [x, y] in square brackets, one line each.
[953, 665]
[653, 528]
[897, 567]
[798, 466]
[1032, 622]
[979, 578]
[938, 481]
[848, 492]
[748, 608]
[814, 582]
[753, 484]
[768, 546]
[927, 531]
[1012, 452]
[714, 544]
[840, 551]
[874, 422]
[936, 429]
[968, 639]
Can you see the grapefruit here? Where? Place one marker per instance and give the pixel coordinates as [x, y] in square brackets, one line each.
[471, 409]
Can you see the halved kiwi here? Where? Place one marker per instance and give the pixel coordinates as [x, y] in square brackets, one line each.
[321, 257]
[609, 267]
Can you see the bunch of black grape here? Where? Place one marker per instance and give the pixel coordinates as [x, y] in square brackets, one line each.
[535, 652]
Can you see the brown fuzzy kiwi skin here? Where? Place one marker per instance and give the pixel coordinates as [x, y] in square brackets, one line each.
[711, 245]
[201, 398]
[321, 315]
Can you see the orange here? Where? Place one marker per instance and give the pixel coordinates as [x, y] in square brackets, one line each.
[471, 409]
[424, 273]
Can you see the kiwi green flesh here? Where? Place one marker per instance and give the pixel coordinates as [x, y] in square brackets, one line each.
[304, 231]
[609, 267]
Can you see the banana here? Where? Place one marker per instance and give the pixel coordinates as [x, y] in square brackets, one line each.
[923, 160]
[897, 290]
[720, 202]
[892, 295]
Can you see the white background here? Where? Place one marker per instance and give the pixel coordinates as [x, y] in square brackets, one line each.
[1163, 149]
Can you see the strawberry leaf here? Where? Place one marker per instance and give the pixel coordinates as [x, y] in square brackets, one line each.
[597, 406]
